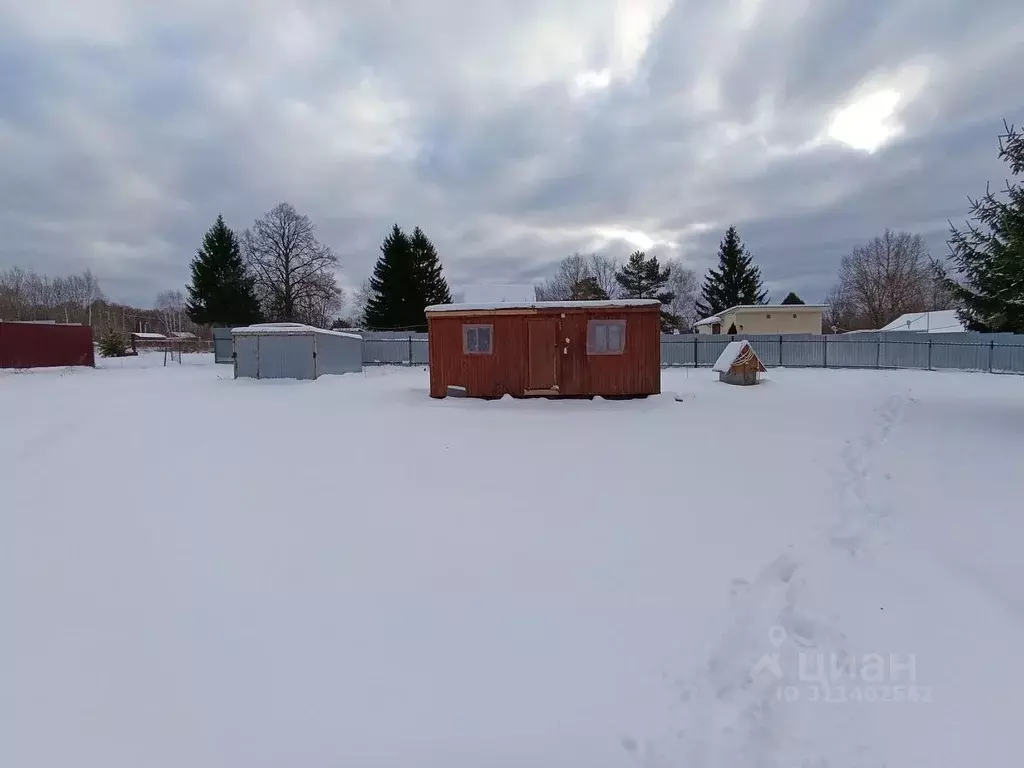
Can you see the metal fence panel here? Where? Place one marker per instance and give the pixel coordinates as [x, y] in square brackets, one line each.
[803, 352]
[1007, 359]
[851, 353]
[390, 348]
[903, 354]
[222, 345]
[1002, 353]
[678, 350]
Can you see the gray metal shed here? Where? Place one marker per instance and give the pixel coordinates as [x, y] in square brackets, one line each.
[294, 351]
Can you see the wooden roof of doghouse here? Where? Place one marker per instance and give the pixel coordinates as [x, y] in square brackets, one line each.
[737, 356]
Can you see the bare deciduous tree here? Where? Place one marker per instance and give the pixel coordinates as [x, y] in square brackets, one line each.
[170, 305]
[889, 276]
[294, 271]
[322, 305]
[603, 269]
[360, 299]
[580, 277]
[27, 295]
[684, 283]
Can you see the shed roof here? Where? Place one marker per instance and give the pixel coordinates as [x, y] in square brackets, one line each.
[488, 306]
[734, 352]
[708, 321]
[142, 335]
[288, 329]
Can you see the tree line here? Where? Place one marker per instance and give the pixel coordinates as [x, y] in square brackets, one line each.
[277, 270]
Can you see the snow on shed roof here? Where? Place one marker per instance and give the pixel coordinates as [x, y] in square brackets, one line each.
[708, 321]
[142, 335]
[484, 307]
[288, 329]
[940, 321]
[492, 294]
[733, 351]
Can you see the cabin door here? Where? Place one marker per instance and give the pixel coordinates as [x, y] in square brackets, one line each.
[542, 373]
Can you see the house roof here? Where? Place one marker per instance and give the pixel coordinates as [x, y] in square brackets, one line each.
[494, 294]
[940, 321]
[734, 352]
[795, 307]
[484, 307]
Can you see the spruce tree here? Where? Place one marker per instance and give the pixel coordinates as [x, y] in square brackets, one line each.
[643, 278]
[989, 255]
[395, 300]
[736, 281]
[792, 298]
[588, 289]
[429, 277]
[222, 289]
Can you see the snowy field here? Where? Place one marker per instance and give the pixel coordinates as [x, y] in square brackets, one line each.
[820, 572]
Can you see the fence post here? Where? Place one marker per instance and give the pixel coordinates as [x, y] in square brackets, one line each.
[878, 352]
[410, 348]
[929, 354]
[825, 347]
[695, 350]
[780, 350]
[991, 353]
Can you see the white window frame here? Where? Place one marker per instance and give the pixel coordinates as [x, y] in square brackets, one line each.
[473, 329]
[598, 337]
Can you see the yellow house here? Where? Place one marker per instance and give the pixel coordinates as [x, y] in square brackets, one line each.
[765, 318]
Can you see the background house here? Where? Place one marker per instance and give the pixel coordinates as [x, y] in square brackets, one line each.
[765, 318]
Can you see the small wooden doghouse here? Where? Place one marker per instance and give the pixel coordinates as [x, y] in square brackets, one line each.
[546, 348]
[739, 364]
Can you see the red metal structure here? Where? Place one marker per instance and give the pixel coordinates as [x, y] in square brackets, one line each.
[40, 345]
[548, 349]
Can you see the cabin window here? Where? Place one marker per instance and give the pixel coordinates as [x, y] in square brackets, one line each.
[477, 339]
[769, 317]
[606, 337]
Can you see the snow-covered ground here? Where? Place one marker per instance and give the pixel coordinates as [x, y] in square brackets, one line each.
[823, 571]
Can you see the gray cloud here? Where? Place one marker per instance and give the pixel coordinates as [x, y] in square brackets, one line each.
[513, 133]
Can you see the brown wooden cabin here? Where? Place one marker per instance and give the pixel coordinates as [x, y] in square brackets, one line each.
[547, 349]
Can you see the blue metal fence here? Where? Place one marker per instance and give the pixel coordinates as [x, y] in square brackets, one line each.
[998, 353]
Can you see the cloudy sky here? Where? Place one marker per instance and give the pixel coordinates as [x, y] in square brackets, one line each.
[513, 132]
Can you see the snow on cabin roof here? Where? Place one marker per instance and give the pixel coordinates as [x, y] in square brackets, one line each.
[484, 307]
[141, 335]
[288, 329]
[183, 334]
[940, 321]
[731, 353]
[493, 294]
